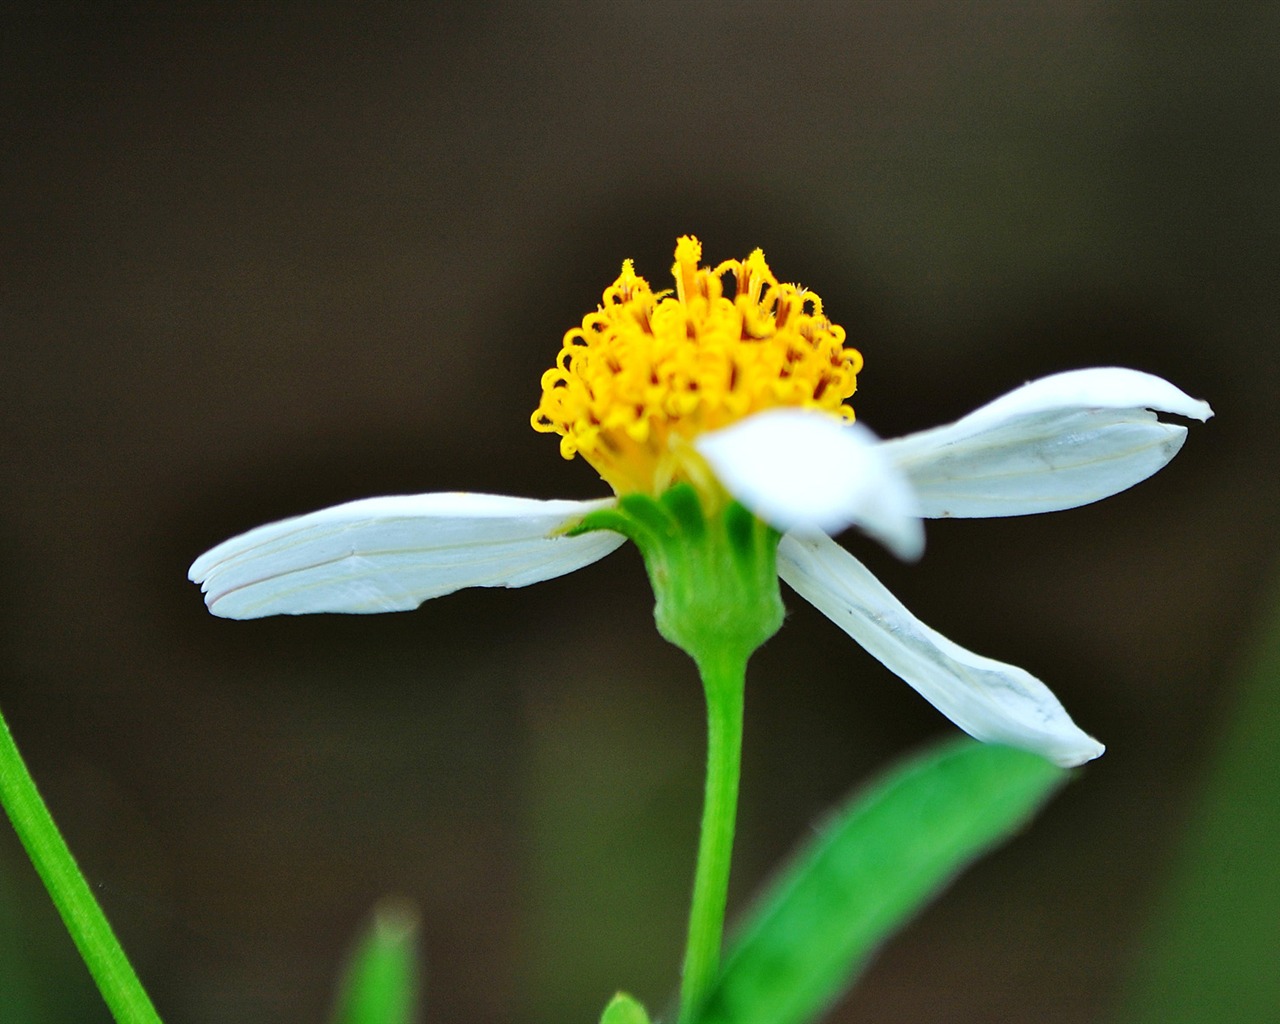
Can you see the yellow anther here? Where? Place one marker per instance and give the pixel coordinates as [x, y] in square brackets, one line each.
[647, 372]
[685, 271]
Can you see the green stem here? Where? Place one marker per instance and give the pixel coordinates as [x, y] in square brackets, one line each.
[124, 994]
[713, 567]
[723, 681]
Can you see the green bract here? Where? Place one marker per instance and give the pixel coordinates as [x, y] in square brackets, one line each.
[714, 572]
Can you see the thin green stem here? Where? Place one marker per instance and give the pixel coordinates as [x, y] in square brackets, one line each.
[89, 929]
[713, 567]
[723, 679]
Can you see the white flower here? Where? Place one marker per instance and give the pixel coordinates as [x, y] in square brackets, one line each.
[1056, 443]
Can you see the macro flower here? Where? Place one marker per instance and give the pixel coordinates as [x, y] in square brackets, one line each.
[737, 387]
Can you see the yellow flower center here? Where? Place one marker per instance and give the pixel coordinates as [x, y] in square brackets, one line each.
[647, 372]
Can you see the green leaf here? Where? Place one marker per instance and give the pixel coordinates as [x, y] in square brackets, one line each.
[380, 983]
[622, 1009]
[1213, 945]
[878, 860]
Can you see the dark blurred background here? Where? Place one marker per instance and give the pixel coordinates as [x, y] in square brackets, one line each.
[261, 259]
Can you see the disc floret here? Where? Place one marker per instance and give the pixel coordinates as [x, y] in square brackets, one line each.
[649, 371]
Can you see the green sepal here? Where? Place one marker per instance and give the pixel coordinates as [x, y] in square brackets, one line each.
[712, 566]
[380, 983]
[622, 1009]
[874, 864]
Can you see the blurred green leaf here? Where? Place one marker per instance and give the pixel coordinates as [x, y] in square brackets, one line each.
[42, 978]
[1215, 940]
[622, 1009]
[590, 849]
[380, 984]
[875, 864]
[15, 975]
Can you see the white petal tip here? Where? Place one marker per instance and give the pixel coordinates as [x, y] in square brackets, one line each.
[907, 542]
[1075, 753]
[1037, 723]
[807, 472]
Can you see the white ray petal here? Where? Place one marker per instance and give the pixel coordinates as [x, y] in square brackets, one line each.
[1056, 443]
[391, 554]
[988, 699]
[806, 471]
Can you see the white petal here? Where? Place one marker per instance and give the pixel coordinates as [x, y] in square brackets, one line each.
[806, 471]
[1056, 443]
[391, 554]
[988, 699]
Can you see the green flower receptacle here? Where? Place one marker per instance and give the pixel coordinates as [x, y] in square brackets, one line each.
[713, 569]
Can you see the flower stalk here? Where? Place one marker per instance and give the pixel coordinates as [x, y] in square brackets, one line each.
[713, 568]
[83, 917]
[723, 680]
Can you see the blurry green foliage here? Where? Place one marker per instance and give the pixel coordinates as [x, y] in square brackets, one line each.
[380, 984]
[1215, 940]
[42, 979]
[611, 830]
[622, 1009]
